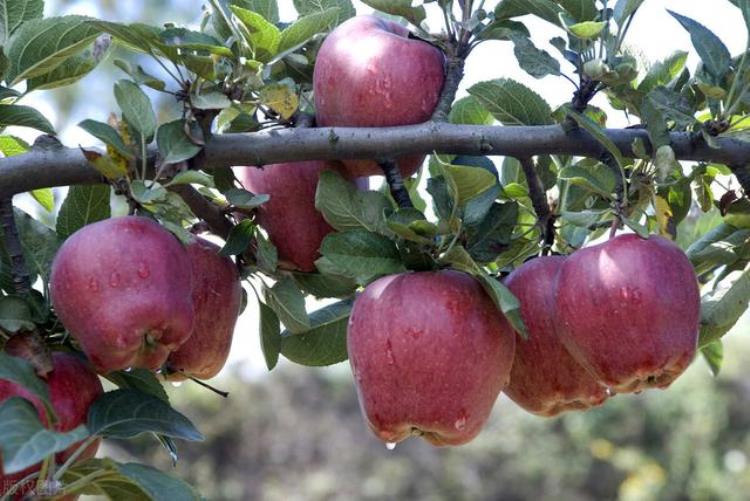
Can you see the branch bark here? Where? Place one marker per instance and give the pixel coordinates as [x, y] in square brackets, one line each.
[396, 183]
[67, 166]
[454, 73]
[18, 271]
[538, 195]
[204, 209]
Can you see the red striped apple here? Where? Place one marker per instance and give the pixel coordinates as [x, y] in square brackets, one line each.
[545, 379]
[122, 288]
[430, 353]
[628, 310]
[370, 73]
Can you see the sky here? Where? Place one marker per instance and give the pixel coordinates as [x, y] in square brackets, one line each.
[654, 35]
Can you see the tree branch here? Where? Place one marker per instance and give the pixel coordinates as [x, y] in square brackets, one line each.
[454, 73]
[742, 173]
[396, 183]
[18, 271]
[67, 166]
[538, 195]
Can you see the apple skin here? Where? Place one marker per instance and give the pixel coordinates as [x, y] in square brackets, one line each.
[73, 388]
[545, 379]
[217, 297]
[368, 73]
[430, 353]
[293, 223]
[122, 288]
[628, 310]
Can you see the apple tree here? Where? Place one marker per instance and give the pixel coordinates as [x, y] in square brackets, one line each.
[513, 246]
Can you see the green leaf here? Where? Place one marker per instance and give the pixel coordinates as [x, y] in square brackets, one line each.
[503, 29]
[624, 9]
[712, 51]
[469, 182]
[142, 380]
[722, 307]
[469, 111]
[239, 238]
[19, 371]
[325, 343]
[400, 223]
[288, 302]
[325, 284]
[45, 197]
[73, 68]
[123, 414]
[186, 39]
[24, 116]
[140, 76]
[512, 103]
[718, 246]
[266, 254]
[664, 72]
[108, 135]
[597, 178]
[24, 441]
[212, 100]
[159, 486]
[543, 9]
[83, 205]
[192, 177]
[15, 314]
[270, 335]
[40, 244]
[244, 199]
[305, 7]
[536, 62]
[346, 208]
[304, 28]
[136, 108]
[174, 144]
[713, 354]
[506, 302]
[269, 9]
[403, 8]
[581, 10]
[10, 146]
[587, 30]
[263, 36]
[599, 134]
[362, 255]
[13, 13]
[493, 235]
[41, 45]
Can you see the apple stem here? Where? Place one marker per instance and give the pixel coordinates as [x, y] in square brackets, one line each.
[19, 272]
[396, 183]
[614, 227]
[224, 394]
[538, 195]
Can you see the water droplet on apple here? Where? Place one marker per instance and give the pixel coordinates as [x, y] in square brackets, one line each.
[114, 279]
[389, 353]
[390, 445]
[93, 285]
[143, 270]
[460, 423]
[176, 384]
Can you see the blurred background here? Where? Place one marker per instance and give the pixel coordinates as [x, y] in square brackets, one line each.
[297, 433]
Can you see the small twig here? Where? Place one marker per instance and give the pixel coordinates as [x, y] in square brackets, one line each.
[454, 73]
[18, 270]
[545, 218]
[204, 209]
[742, 173]
[395, 182]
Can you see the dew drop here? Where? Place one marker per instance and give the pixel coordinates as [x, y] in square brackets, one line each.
[114, 279]
[389, 353]
[390, 445]
[460, 423]
[93, 285]
[143, 270]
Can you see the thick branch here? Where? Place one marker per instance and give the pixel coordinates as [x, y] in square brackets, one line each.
[538, 197]
[396, 183]
[67, 166]
[18, 271]
[204, 209]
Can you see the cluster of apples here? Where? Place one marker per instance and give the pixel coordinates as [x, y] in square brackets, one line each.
[132, 296]
[356, 83]
[430, 352]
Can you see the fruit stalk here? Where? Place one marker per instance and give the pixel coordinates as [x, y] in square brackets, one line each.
[396, 183]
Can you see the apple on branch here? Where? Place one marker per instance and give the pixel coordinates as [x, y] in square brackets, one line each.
[628, 310]
[370, 73]
[430, 353]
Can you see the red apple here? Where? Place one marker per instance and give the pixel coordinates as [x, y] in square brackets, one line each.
[430, 353]
[293, 223]
[73, 388]
[122, 288]
[628, 310]
[369, 73]
[217, 295]
[545, 379]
